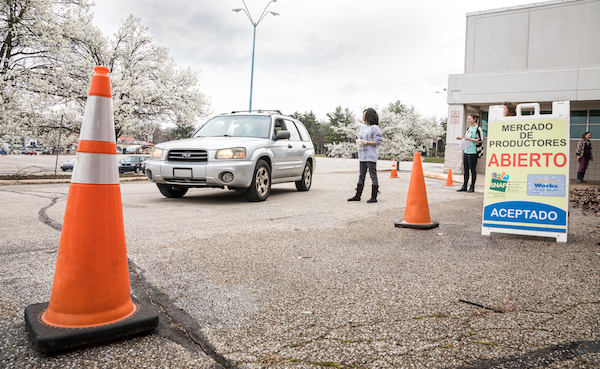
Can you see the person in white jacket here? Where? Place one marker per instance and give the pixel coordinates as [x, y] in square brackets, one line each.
[369, 139]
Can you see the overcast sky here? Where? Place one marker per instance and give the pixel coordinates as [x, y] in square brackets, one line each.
[316, 55]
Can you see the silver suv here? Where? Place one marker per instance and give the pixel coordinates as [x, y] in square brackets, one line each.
[243, 151]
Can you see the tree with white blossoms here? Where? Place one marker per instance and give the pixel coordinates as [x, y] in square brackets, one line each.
[32, 41]
[148, 88]
[403, 129]
[406, 133]
[48, 51]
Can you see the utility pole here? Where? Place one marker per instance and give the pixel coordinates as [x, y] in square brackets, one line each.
[58, 146]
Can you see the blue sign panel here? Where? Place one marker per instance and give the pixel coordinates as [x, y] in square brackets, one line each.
[525, 212]
[545, 185]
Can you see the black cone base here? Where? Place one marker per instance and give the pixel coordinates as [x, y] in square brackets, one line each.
[403, 224]
[50, 339]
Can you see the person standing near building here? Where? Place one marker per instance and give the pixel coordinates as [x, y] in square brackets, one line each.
[584, 155]
[510, 109]
[472, 152]
[369, 139]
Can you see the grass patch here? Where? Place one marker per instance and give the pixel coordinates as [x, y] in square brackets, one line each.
[427, 159]
[484, 343]
[328, 364]
[343, 341]
[299, 344]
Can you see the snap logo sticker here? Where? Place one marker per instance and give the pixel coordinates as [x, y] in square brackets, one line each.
[499, 182]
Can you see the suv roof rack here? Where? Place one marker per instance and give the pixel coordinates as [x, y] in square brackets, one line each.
[258, 111]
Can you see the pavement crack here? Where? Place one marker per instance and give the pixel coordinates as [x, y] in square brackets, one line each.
[565, 310]
[542, 357]
[174, 323]
[44, 218]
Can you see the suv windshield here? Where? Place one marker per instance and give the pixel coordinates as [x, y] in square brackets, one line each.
[236, 126]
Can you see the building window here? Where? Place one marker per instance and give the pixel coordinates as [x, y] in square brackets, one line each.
[594, 126]
[530, 112]
[484, 122]
[585, 121]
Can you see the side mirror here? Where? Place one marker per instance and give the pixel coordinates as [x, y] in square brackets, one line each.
[190, 134]
[282, 135]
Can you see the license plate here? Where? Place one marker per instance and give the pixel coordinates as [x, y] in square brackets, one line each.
[182, 173]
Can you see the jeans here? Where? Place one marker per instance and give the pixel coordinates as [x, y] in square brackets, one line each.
[470, 165]
[372, 166]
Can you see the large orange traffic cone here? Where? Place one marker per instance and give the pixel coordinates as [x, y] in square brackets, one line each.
[416, 214]
[90, 300]
[449, 181]
[394, 171]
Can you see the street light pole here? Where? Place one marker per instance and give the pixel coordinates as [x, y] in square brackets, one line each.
[252, 70]
[254, 24]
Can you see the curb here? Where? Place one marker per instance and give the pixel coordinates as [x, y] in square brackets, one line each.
[8, 182]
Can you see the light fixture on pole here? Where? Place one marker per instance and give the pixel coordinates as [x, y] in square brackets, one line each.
[254, 24]
[443, 93]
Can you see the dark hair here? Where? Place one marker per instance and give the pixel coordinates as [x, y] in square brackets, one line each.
[475, 118]
[511, 107]
[585, 134]
[371, 117]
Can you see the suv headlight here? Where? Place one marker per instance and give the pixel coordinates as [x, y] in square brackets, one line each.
[236, 153]
[156, 153]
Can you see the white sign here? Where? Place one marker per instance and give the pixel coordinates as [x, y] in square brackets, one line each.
[527, 173]
[454, 117]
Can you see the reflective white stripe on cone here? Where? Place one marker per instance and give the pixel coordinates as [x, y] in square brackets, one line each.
[98, 109]
[92, 168]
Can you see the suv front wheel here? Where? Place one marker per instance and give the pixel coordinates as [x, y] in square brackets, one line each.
[260, 188]
[306, 181]
[172, 191]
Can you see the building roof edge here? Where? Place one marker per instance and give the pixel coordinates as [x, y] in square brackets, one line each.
[521, 7]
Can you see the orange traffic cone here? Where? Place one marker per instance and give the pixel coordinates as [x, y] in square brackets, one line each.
[416, 214]
[449, 181]
[394, 172]
[90, 300]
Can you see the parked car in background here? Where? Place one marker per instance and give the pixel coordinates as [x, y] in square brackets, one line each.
[132, 163]
[243, 151]
[29, 152]
[67, 165]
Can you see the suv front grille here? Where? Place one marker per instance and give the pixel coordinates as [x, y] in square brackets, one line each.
[197, 156]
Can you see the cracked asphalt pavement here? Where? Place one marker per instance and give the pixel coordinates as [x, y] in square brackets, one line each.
[310, 280]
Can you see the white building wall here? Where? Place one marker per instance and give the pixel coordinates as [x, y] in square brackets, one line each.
[541, 85]
[540, 52]
[553, 34]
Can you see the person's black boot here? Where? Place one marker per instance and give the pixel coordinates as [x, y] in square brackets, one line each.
[579, 177]
[374, 192]
[582, 175]
[472, 188]
[463, 188]
[359, 190]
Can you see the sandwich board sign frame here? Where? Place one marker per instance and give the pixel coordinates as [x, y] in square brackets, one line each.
[527, 172]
